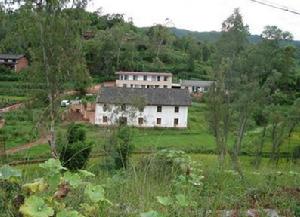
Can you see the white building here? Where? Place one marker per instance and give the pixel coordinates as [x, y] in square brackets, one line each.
[194, 86]
[144, 79]
[143, 107]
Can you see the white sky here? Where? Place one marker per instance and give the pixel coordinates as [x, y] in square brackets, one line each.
[203, 15]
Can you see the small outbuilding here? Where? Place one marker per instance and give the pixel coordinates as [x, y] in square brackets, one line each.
[194, 86]
[16, 62]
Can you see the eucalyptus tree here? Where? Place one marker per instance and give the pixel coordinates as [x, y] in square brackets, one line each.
[55, 50]
[235, 91]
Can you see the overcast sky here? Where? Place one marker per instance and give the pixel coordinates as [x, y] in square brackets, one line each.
[203, 15]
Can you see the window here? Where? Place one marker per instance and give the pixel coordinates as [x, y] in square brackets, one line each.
[105, 107]
[165, 78]
[176, 122]
[141, 121]
[145, 77]
[104, 119]
[125, 77]
[156, 86]
[159, 108]
[165, 86]
[158, 78]
[123, 120]
[134, 77]
[121, 77]
[141, 109]
[158, 121]
[176, 109]
[131, 85]
[123, 107]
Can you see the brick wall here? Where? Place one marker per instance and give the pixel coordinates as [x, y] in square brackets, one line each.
[21, 64]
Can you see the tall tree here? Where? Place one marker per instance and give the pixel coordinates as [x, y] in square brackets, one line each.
[55, 51]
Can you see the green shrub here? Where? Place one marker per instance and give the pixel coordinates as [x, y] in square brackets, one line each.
[119, 146]
[166, 163]
[296, 153]
[75, 151]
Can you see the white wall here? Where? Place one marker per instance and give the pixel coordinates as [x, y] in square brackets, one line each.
[149, 114]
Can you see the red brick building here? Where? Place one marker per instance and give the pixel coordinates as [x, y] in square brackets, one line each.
[16, 62]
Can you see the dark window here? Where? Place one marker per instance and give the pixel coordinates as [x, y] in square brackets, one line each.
[134, 77]
[165, 78]
[125, 77]
[158, 121]
[156, 86]
[123, 107]
[158, 78]
[141, 121]
[121, 77]
[141, 109]
[105, 107]
[165, 86]
[145, 77]
[123, 120]
[176, 109]
[104, 119]
[159, 108]
[176, 122]
[131, 85]
[148, 86]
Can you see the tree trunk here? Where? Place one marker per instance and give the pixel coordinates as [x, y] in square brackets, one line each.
[51, 95]
[260, 148]
[237, 146]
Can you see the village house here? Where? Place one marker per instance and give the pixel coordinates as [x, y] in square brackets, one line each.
[194, 86]
[15, 62]
[144, 80]
[143, 107]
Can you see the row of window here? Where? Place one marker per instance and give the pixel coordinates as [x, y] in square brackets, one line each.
[143, 86]
[158, 108]
[145, 78]
[123, 120]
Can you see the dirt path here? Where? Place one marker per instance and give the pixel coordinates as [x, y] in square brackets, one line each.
[11, 108]
[14, 150]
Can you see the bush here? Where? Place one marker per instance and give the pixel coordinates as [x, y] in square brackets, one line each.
[167, 163]
[296, 153]
[119, 146]
[74, 153]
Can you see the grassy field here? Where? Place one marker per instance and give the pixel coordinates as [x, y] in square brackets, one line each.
[20, 129]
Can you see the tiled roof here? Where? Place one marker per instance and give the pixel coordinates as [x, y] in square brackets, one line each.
[11, 56]
[186, 83]
[150, 96]
[144, 73]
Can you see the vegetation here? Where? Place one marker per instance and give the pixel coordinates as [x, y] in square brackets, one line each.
[74, 153]
[248, 122]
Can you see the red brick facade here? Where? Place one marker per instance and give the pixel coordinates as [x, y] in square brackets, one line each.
[21, 64]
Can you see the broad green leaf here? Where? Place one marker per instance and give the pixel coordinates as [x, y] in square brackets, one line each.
[181, 200]
[53, 181]
[95, 193]
[52, 166]
[36, 207]
[86, 173]
[151, 213]
[69, 213]
[7, 172]
[37, 186]
[166, 201]
[73, 179]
